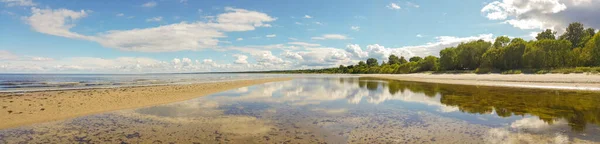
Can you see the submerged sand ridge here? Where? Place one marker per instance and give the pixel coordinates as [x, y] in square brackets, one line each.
[33, 107]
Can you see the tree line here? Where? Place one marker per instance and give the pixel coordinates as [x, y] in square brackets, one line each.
[577, 47]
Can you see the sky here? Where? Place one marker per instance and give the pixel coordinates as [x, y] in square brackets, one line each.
[165, 36]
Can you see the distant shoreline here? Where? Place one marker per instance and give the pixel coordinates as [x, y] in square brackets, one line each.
[580, 82]
[42, 106]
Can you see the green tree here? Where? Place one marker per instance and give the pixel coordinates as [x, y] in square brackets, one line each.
[448, 59]
[501, 41]
[469, 54]
[534, 57]
[403, 60]
[429, 63]
[393, 59]
[513, 54]
[547, 34]
[574, 34]
[593, 48]
[587, 35]
[492, 59]
[362, 63]
[372, 62]
[549, 54]
[415, 59]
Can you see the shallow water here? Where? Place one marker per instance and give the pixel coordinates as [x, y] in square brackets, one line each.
[342, 110]
[33, 82]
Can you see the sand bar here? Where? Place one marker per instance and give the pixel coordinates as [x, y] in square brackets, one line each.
[33, 107]
[587, 82]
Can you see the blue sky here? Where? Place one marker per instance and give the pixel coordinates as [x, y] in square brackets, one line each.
[146, 36]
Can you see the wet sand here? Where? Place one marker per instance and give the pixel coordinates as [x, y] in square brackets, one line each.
[33, 107]
[586, 82]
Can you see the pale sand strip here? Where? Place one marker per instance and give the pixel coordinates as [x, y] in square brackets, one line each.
[587, 82]
[43, 106]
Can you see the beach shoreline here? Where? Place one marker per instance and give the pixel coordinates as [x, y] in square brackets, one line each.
[23, 108]
[580, 82]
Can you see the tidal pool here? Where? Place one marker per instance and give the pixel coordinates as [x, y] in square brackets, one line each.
[341, 110]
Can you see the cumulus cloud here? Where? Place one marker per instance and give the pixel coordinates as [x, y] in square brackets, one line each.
[434, 48]
[240, 59]
[149, 4]
[356, 51]
[393, 6]
[120, 14]
[11, 3]
[544, 14]
[323, 57]
[267, 58]
[355, 28]
[292, 55]
[239, 39]
[382, 53]
[330, 36]
[166, 38]
[307, 16]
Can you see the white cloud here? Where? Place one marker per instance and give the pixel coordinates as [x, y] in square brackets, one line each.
[120, 14]
[176, 61]
[393, 6]
[355, 28]
[323, 57]
[434, 48]
[294, 39]
[419, 36]
[271, 36]
[292, 55]
[244, 17]
[208, 61]
[356, 51]
[11, 3]
[544, 14]
[240, 59]
[56, 22]
[318, 23]
[267, 58]
[166, 38]
[304, 44]
[155, 19]
[149, 4]
[307, 16]
[330, 36]
[298, 23]
[239, 39]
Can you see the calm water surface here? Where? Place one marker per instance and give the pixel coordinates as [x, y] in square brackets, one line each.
[33, 82]
[341, 110]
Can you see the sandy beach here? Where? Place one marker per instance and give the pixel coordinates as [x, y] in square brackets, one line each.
[34, 107]
[586, 82]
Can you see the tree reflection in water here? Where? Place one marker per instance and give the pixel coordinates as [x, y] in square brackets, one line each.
[577, 107]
